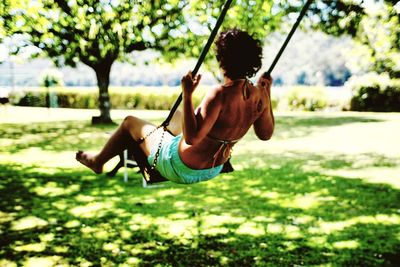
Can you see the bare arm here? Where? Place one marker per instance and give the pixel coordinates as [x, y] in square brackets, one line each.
[264, 125]
[197, 124]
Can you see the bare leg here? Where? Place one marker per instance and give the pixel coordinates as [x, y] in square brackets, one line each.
[175, 126]
[131, 127]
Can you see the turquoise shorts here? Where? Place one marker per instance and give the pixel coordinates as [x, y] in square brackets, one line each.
[170, 165]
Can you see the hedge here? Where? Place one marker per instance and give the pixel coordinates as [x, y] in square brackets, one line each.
[307, 98]
[87, 98]
[375, 92]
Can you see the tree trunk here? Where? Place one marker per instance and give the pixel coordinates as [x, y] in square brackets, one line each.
[103, 80]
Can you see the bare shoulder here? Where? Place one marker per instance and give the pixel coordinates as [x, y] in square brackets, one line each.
[215, 92]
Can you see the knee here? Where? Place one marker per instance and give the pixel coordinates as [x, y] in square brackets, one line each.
[128, 122]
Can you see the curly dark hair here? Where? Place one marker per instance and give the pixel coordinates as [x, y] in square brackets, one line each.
[238, 54]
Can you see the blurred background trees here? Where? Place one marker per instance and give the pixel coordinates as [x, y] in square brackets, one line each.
[99, 33]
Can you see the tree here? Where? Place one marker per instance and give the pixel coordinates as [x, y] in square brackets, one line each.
[375, 25]
[94, 32]
[98, 33]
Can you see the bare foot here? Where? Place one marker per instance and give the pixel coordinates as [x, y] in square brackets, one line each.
[88, 160]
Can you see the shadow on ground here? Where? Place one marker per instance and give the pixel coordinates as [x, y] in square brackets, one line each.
[276, 214]
[71, 136]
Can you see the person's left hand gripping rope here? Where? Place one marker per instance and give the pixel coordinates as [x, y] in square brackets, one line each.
[189, 83]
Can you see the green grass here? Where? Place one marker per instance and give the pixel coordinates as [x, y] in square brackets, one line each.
[325, 191]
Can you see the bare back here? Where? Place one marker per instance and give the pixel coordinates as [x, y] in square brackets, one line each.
[242, 104]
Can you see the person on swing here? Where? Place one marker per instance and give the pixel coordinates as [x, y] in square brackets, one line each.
[203, 138]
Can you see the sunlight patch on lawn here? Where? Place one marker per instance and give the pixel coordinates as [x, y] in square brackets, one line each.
[149, 200]
[6, 217]
[125, 234]
[51, 189]
[317, 241]
[85, 198]
[48, 261]
[180, 205]
[102, 231]
[112, 247]
[290, 231]
[214, 224]
[212, 231]
[213, 200]
[28, 222]
[182, 229]
[146, 248]
[251, 228]
[300, 201]
[91, 210]
[132, 261]
[269, 194]
[84, 262]
[35, 247]
[325, 227]
[61, 249]
[140, 222]
[304, 219]
[178, 216]
[60, 204]
[170, 192]
[72, 224]
[255, 161]
[7, 263]
[219, 220]
[6, 142]
[46, 237]
[348, 244]
[381, 175]
[263, 219]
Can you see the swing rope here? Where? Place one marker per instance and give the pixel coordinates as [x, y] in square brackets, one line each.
[283, 47]
[150, 171]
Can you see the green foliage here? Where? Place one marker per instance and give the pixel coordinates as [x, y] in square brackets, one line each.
[380, 33]
[96, 33]
[30, 99]
[138, 98]
[374, 92]
[338, 17]
[374, 24]
[306, 98]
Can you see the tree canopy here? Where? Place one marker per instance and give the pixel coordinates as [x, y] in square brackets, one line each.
[99, 32]
[96, 33]
[375, 25]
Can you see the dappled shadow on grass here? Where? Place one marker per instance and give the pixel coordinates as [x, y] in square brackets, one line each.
[53, 136]
[301, 126]
[280, 213]
[80, 135]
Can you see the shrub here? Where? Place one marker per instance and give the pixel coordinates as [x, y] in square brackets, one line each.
[305, 98]
[34, 98]
[373, 92]
[121, 98]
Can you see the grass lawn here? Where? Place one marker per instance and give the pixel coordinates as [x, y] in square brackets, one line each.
[325, 191]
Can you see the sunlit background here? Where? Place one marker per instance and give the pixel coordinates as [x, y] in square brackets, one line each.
[324, 191]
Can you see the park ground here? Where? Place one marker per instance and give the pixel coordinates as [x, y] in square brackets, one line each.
[324, 191]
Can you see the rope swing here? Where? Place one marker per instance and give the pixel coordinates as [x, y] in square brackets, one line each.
[150, 174]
